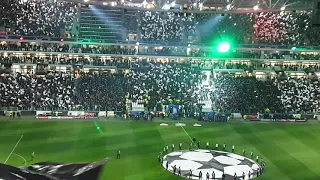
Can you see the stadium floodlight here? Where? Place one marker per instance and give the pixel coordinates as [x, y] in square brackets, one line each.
[256, 7]
[86, 0]
[105, 3]
[283, 8]
[223, 47]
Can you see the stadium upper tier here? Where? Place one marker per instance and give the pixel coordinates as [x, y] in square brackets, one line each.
[110, 24]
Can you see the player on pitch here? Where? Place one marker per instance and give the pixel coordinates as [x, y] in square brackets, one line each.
[190, 174]
[118, 154]
[213, 175]
[200, 175]
[207, 176]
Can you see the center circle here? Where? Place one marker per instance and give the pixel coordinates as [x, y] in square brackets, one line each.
[210, 162]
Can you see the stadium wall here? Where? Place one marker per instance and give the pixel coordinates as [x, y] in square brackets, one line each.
[110, 114]
[70, 114]
[277, 117]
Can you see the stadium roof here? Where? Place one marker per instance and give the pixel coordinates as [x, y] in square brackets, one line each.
[233, 4]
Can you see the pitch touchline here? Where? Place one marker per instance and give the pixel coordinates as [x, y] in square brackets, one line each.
[13, 149]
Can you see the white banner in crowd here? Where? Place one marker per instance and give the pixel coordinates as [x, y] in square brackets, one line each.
[102, 114]
[110, 114]
[76, 113]
[43, 112]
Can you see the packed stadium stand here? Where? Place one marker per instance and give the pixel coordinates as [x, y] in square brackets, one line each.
[263, 28]
[109, 24]
[38, 18]
[64, 55]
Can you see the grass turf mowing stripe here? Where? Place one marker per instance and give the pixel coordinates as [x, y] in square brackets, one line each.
[288, 164]
[13, 149]
[292, 146]
[133, 164]
[140, 143]
[173, 134]
[272, 171]
[304, 137]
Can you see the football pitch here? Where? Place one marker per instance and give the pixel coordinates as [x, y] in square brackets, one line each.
[291, 151]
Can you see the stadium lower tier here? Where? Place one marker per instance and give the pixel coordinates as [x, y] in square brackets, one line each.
[154, 86]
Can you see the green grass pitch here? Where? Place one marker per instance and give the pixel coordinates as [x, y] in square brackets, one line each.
[291, 151]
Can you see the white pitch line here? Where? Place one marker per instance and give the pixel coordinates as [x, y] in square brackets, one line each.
[186, 133]
[13, 149]
[25, 161]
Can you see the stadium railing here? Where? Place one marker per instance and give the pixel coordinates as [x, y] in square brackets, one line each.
[40, 39]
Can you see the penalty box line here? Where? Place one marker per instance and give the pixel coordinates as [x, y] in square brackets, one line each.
[13, 149]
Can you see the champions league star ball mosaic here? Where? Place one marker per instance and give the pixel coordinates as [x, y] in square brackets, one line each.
[209, 161]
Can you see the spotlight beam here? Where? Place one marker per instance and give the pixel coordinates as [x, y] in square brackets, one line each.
[204, 1]
[265, 3]
[276, 3]
[238, 5]
[270, 3]
[292, 3]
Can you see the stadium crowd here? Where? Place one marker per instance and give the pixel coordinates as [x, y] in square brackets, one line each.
[280, 28]
[38, 18]
[54, 91]
[155, 82]
[299, 95]
[157, 26]
[246, 95]
[56, 18]
[101, 91]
